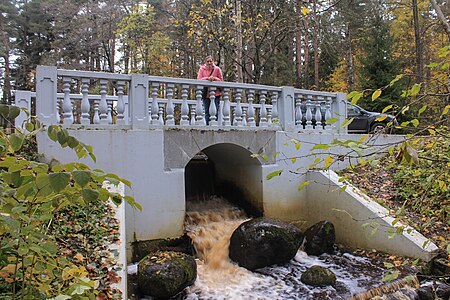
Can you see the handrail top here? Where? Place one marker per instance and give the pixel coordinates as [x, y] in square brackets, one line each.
[187, 81]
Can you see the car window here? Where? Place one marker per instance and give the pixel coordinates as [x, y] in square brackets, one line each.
[353, 110]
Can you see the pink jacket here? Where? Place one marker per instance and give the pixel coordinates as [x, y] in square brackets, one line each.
[204, 73]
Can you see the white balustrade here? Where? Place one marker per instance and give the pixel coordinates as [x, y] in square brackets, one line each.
[142, 101]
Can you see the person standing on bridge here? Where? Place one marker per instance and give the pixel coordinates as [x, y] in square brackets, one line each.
[209, 71]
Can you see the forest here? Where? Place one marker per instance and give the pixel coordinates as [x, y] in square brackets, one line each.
[332, 45]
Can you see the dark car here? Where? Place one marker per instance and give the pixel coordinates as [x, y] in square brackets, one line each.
[369, 122]
[363, 121]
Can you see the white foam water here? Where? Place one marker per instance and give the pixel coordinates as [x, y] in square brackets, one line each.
[210, 225]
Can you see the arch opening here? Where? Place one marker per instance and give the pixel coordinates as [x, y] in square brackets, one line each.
[225, 170]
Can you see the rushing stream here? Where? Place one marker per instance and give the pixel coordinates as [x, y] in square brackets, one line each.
[210, 225]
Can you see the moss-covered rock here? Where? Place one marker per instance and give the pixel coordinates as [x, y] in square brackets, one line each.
[319, 238]
[166, 273]
[263, 242]
[318, 276]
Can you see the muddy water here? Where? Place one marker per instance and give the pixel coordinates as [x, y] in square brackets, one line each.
[210, 225]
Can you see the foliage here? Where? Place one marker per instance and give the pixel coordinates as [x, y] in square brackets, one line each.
[32, 194]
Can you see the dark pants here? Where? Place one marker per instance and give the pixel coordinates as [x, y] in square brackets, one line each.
[206, 102]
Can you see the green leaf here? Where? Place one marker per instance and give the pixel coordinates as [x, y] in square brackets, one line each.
[332, 121]
[274, 174]
[415, 122]
[53, 132]
[117, 200]
[81, 177]
[397, 78]
[14, 111]
[376, 94]
[90, 195]
[4, 110]
[415, 89]
[347, 122]
[72, 142]
[356, 97]
[446, 110]
[16, 141]
[59, 181]
[321, 147]
[50, 247]
[29, 126]
[387, 108]
[303, 184]
[422, 109]
[63, 135]
[380, 118]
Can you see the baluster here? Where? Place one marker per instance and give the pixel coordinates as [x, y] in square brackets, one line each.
[318, 116]
[328, 112]
[75, 116]
[269, 117]
[85, 106]
[67, 104]
[103, 104]
[298, 112]
[238, 109]
[244, 116]
[212, 106]
[58, 111]
[155, 106]
[309, 125]
[184, 106]
[199, 109]
[169, 108]
[96, 119]
[110, 111]
[275, 107]
[120, 104]
[250, 110]
[226, 107]
[263, 110]
[193, 118]
[160, 111]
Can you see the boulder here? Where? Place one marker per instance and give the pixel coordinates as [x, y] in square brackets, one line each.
[164, 274]
[318, 276]
[319, 238]
[263, 242]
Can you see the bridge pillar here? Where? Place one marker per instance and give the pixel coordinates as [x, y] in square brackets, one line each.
[138, 101]
[340, 110]
[46, 101]
[286, 108]
[22, 100]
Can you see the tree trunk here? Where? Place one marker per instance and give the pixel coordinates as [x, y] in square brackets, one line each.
[298, 47]
[418, 42]
[239, 61]
[316, 46]
[350, 68]
[441, 16]
[306, 50]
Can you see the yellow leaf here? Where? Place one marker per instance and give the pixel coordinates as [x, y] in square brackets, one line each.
[79, 257]
[328, 161]
[305, 10]
[376, 94]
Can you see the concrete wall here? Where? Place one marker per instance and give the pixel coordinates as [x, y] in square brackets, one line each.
[359, 221]
[155, 160]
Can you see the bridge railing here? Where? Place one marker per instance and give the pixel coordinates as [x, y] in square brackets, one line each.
[98, 99]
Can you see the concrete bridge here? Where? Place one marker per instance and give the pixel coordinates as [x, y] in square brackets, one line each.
[151, 131]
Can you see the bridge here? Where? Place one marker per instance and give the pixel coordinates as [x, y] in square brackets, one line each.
[152, 131]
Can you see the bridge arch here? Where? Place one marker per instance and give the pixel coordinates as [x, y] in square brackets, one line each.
[226, 170]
